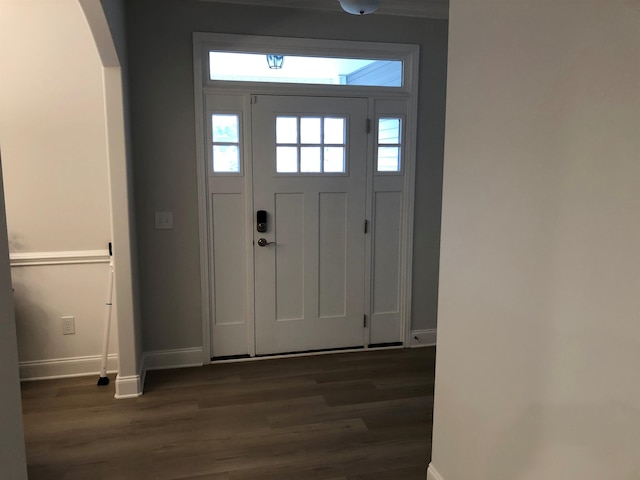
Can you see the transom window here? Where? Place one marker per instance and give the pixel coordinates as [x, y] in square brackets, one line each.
[310, 144]
[389, 145]
[226, 142]
[275, 67]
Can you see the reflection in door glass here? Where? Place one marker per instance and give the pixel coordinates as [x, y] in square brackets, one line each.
[225, 128]
[226, 143]
[226, 158]
[255, 67]
[321, 147]
[388, 159]
[389, 130]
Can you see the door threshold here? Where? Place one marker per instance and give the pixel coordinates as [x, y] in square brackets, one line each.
[230, 357]
[311, 352]
[385, 345]
[308, 353]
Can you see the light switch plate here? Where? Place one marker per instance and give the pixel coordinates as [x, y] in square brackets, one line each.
[164, 220]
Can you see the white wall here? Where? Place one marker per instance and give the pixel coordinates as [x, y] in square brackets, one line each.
[107, 22]
[52, 129]
[539, 329]
[13, 463]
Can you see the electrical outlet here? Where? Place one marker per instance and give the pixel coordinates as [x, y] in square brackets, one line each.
[68, 325]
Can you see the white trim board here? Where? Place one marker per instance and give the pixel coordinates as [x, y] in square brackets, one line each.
[432, 473]
[71, 257]
[180, 358]
[192, 357]
[306, 354]
[66, 367]
[437, 9]
[423, 338]
[131, 386]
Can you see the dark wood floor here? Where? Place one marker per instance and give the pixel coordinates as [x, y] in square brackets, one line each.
[349, 416]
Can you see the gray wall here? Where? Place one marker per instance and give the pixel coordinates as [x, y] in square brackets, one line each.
[56, 180]
[163, 131]
[13, 462]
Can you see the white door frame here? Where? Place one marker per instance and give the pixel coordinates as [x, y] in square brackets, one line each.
[203, 86]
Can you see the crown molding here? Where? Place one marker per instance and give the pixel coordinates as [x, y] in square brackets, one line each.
[438, 9]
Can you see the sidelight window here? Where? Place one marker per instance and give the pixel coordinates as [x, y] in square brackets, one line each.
[389, 145]
[226, 143]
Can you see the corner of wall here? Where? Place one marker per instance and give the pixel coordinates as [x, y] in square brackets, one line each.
[12, 454]
[432, 473]
[423, 338]
[131, 386]
[178, 358]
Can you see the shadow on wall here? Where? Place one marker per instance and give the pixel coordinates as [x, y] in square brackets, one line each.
[43, 294]
[32, 321]
[15, 243]
[572, 442]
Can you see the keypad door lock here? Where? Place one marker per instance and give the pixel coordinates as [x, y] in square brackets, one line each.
[261, 221]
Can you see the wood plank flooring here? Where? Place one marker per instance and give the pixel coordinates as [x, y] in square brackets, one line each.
[347, 416]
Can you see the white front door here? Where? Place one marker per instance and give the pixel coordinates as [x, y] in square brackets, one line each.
[309, 178]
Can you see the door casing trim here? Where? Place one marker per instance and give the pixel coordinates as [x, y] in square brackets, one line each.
[202, 42]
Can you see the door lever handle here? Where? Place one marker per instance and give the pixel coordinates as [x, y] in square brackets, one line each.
[263, 242]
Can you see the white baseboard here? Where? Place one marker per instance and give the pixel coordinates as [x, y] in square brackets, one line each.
[432, 473]
[165, 359]
[66, 367]
[131, 386]
[423, 338]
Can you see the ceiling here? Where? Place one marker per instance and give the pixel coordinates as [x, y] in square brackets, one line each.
[408, 8]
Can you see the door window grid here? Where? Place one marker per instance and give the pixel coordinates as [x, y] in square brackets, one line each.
[225, 139]
[310, 145]
[389, 151]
